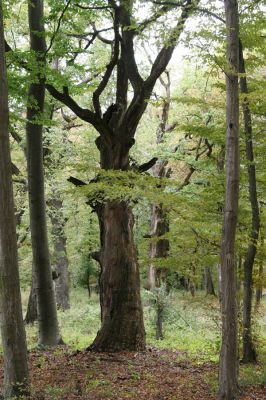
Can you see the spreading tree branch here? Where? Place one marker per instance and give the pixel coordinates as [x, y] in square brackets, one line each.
[76, 181]
[92, 7]
[83, 113]
[143, 89]
[128, 45]
[109, 69]
[148, 165]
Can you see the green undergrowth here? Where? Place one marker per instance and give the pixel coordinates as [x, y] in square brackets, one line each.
[78, 325]
[249, 374]
[191, 325]
[253, 374]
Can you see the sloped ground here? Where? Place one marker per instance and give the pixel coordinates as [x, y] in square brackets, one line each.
[151, 375]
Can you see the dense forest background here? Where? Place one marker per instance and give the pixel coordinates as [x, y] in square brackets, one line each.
[117, 126]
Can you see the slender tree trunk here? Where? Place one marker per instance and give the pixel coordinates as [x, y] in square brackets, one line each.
[46, 306]
[228, 386]
[220, 168]
[209, 282]
[249, 353]
[259, 287]
[159, 318]
[60, 260]
[159, 218]
[11, 320]
[158, 248]
[122, 319]
[239, 273]
[32, 314]
[219, 273]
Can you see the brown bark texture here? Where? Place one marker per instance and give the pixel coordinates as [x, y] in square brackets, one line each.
[11, 320]
[60, 259]
[209, 282]
[117, 126]
[249, 352]
[159, 248]
[31, 314]
[228, 385]
[259, 287]
[46, 306]
[122, 319]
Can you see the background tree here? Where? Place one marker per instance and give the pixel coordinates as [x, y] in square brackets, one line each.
[42, 274]
[249, 353]
[11, 321]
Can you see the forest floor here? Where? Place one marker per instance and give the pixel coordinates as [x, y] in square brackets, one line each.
[157, 374]
[182, 366]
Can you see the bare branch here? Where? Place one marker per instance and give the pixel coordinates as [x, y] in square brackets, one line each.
[210, 13]
[100, 37]
[76, 181]
[14, 169]
[148, 165]
[143, 89]
[168, 3]
[82, 113]
[95, 32]
[166, 52]
[15, 135]
[66, 99]
[157, 14]
[206, 240]
[92, 7]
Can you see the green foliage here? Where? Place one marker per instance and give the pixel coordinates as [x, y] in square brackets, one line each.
[253, 375]
[190, 326]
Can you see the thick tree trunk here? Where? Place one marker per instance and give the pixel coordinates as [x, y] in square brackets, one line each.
[228, 386]
[209, 282]
[46, 306]
[11, 320]
[249, 353]
[60, 259]
[122, 318]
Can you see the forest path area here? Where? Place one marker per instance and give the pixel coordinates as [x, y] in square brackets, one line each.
[157, 374]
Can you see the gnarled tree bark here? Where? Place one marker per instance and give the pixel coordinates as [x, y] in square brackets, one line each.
[122, 321]
[117, 126]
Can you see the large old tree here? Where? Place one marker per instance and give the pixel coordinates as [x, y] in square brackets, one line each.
[11, 321]
[122, 318]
